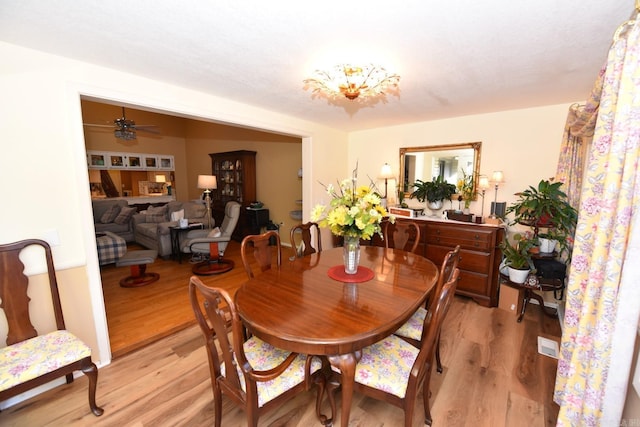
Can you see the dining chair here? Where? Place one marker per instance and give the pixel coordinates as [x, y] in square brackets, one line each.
[252, 373]
[412, 330]
[31, 359]
[399, 233]
[301, 238]
[260, 246]
[392, 370]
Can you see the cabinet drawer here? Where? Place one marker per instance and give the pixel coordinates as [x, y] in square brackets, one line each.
[465, 237]
[479, 262]
[473, 283]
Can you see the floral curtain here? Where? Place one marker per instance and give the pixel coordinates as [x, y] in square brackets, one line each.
[600, 319]
[578, 132]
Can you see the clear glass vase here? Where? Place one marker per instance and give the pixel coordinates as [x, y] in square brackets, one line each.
[351, 254]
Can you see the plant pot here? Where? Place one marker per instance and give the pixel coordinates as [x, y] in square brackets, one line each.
[434, 207]
[547, 245]
[518, 276]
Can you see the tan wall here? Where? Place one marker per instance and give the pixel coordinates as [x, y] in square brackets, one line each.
[278, 159]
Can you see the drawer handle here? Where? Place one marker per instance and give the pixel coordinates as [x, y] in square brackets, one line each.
[437, 231]
[476, 244]
[477, 236]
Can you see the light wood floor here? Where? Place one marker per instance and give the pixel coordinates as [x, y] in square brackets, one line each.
[493, 374]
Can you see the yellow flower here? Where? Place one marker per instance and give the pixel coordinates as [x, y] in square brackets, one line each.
[354, 210]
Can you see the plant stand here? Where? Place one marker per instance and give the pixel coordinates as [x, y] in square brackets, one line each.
[544, 285]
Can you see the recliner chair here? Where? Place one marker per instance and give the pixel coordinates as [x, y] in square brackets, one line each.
[203, 242]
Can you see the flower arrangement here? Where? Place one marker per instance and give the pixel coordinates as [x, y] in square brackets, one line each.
[355, 211]
[466, 188]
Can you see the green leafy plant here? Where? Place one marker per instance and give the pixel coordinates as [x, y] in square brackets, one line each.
[432, 191]
[517, 254]
[546, 206]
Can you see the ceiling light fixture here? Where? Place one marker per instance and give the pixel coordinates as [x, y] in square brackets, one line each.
[353, 82]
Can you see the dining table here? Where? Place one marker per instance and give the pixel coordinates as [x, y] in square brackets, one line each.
[309, 305]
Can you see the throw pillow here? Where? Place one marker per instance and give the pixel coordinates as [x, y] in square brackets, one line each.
[125, 215]
[215, 232]
[157, 214]
[110, 214]
[177, 215]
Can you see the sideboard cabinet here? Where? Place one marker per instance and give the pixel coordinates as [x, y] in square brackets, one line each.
[479, 254]
[235, 173]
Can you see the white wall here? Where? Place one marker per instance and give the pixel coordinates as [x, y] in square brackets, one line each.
[524, 144]
[44, 179]
[44, 176]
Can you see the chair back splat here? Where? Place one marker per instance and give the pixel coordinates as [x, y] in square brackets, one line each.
[260, 245]
[399, 234]
[31, 359]
[252, 373]
[301, 239]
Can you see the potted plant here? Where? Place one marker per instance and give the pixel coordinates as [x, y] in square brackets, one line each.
[546, 206]
[517, 257]
[434, 192]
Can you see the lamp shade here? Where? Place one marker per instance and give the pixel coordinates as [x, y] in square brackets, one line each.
[207, 182]
[386, 172]
[497, 176]
[483, 183]
[161, 178]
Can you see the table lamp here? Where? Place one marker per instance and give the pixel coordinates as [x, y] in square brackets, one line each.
[483, 184]
[386, 174]
[497, 178]
[207, 183]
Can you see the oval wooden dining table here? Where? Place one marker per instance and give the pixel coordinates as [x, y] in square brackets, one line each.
[300, 308]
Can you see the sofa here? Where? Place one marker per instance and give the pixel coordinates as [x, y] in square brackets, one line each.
[152, 227]
[114, 215]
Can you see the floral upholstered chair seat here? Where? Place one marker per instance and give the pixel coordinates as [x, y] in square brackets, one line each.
[37, 356]
[386, 365]
[412, 328]
[263, 356]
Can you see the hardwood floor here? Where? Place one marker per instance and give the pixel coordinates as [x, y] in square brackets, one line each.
[493, 373]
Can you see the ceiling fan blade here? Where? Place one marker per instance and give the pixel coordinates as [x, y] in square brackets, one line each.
[147, 128]
[97, 125]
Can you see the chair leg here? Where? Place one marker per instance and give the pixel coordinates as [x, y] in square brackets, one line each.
[329, 384]
[438, 361]
[217, 404]
[426, 394]
[91, 371]
[321, 382]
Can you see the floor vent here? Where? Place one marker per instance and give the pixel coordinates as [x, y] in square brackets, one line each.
[548, 347]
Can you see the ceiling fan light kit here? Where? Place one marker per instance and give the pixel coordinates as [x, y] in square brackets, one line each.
[353, 82]
[126, 129]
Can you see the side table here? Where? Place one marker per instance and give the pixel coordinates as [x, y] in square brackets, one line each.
[176, 231]
[541, 285]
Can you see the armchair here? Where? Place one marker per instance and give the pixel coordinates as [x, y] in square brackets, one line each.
[207, 242]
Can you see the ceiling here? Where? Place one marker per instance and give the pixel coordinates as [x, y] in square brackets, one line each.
[455, 58]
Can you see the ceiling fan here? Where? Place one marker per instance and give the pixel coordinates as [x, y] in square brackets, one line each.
[125, 128]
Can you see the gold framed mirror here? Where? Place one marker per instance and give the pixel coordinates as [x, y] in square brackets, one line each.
[447, 160]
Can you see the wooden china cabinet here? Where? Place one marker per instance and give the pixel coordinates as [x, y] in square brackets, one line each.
[236, 175]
